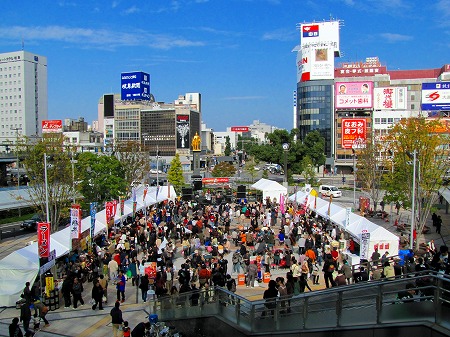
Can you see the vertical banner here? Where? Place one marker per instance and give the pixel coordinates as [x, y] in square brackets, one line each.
[43, 234]
[365, 239]
[93, 212]
[182, 131]
[348, 210]
[134, 208]
[122, 206]
[329, 206]
[133, 192]
[75, 222]
[109, 209]
[145, 193]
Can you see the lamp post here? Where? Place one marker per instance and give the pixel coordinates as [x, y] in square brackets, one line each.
[413, 156]
[285, 149]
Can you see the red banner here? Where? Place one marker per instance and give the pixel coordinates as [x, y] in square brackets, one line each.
[52, 126]
[353, 130]
[239, 128]
[43, 234]
[109, 210]
[215, 180]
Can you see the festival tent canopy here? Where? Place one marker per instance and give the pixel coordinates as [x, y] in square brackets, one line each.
[22, 265]
[271, 189]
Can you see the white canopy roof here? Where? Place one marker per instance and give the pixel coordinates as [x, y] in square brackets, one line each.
[22, 265]
[270, 189]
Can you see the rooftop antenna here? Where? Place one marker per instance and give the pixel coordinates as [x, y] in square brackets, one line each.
[23, 44]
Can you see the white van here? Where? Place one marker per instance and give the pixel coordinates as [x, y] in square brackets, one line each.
[327, 190]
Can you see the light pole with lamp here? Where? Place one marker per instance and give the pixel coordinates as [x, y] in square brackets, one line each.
[413, 156]
[285, 149]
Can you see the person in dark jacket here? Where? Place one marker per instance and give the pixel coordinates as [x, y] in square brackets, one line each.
[144, 286]
[25, 317]
[139, 330]
[116, 318]
[97, 294]
[14, 328]
[270, 295]
[77, 291]
[66, 290]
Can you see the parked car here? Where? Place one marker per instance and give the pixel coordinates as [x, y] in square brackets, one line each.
[31, 224]
[327, 190]
[155, 171]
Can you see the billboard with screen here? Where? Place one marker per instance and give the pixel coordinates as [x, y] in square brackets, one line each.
[436, 96]
[320, 34]
[183, 140]
[135, 86]
[317, 63]
[353, 131]
[353, 95]
[390, 98]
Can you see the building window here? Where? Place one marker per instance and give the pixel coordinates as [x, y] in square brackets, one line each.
[413, 106]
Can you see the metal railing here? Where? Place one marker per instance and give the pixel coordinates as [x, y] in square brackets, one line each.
[357, 305]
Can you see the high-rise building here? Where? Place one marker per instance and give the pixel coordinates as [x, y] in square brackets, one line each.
[23, 94]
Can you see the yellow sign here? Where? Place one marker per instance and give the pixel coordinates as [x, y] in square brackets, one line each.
[49, 285]
[196, 142]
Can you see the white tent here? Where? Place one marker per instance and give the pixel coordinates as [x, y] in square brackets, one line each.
[22, 265]
[271, 189]
[379, 236]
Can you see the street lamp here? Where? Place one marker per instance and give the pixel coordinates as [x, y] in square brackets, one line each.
[413, 156]
[285, 149]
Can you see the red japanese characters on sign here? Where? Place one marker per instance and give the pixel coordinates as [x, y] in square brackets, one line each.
[215, 180]
[43, 234]
[353, 129]
[50, 126]
[109, 210]
[239, 128]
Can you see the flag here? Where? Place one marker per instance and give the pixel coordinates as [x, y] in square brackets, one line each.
[75, 222]
[157, 191]
[122, 206]
[133, 193]
[329, 205]
[109, 209]
[93, 212]
[282, 204]
[43, 234]
[145, 192]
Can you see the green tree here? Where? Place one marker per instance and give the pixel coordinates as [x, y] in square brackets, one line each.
[370, 171]
[227, 151]
[175, 174]
[223, 169]
[432, 154]
[59, 175]
[314, 147]
[102, 178]
[309, 172]
[250, 168]
[134, 159]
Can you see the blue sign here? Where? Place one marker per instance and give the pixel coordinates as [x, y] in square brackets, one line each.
[93, 212]
[436, 96]
[135, 86]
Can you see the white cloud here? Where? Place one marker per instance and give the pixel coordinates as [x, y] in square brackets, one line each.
[96, 38]
[131, 10]
[443, 7]
[280, 35]
[392, 38]
[114, 4]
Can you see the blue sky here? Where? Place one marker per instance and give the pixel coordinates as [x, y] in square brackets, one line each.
[236, 53]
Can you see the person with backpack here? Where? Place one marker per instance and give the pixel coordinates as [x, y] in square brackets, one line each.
[231, 283]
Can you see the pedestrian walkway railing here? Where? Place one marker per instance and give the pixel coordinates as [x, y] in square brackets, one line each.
[357, 305]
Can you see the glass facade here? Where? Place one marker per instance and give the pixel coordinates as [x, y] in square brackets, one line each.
[315, 110]
[159, 127]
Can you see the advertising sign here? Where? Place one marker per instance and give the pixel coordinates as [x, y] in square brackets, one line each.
[223, 180]
[390, 98]
[52, 126]
[320, 34]
[93, 212]
[364, 245]
[353, 130]
[182, 131]
[109, 208]
[353, 95]
[317, 63]
[43, 238]
[436, 96]
[75, 222]
[135, 86]
[239, 128]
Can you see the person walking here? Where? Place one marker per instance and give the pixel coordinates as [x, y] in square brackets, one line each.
[77, 291]
[121, 281]
[252, 274]
[116, 319]
[66, 290]
[97, 294]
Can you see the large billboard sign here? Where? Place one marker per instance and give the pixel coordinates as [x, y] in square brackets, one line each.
[354, 130]
[353, 95]
[135, 86]
[52, 126]
[239, 128]
[316, 63]
[320, 34]
[183, 132]
[390, 98]
[436, 96]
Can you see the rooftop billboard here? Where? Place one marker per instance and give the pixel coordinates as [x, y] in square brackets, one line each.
[320, 34]
[390, 98]
[316, 63]
[353, 95]
[135, 86]
[436, 96]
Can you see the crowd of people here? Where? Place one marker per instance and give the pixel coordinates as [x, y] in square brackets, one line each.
[258, 237]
